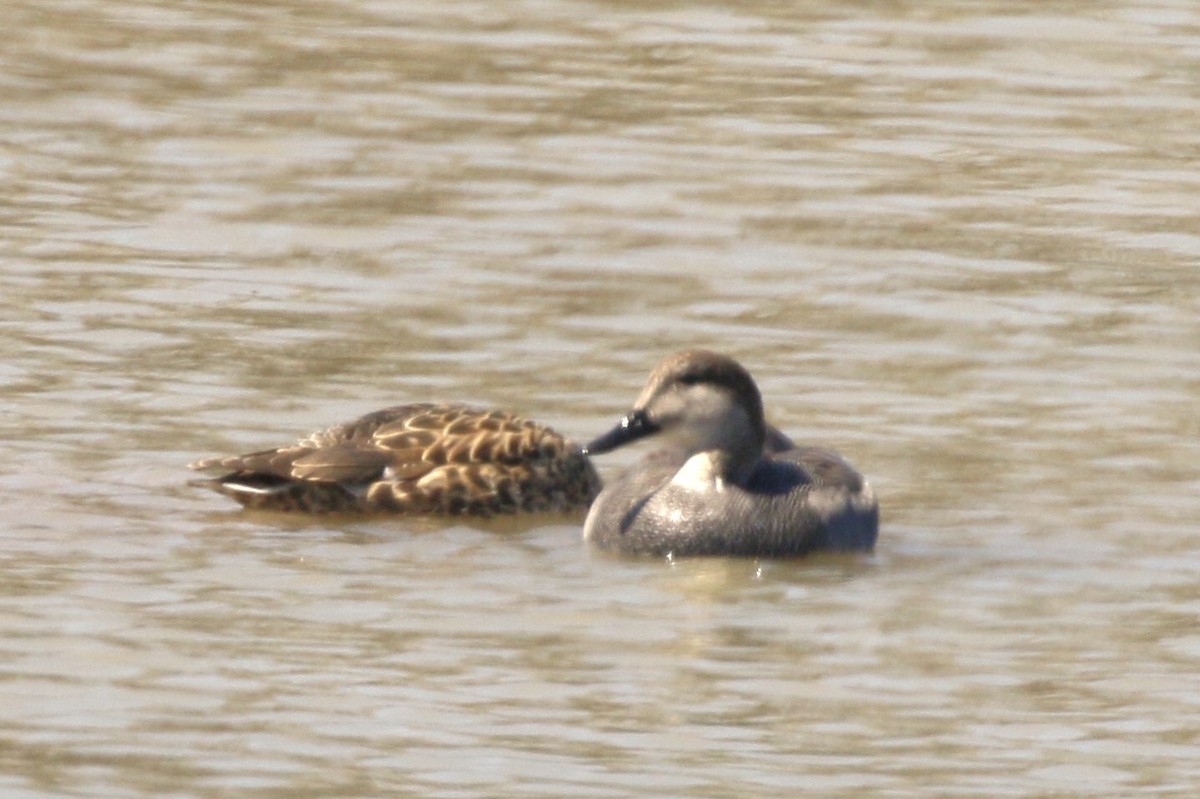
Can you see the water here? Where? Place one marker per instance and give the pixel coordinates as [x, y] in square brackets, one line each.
[957, 241]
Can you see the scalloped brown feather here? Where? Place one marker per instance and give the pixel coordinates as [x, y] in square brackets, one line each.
[424, 458]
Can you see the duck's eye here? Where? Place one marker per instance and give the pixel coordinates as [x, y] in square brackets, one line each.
[690, 380]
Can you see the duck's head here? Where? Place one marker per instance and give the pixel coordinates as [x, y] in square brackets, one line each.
[699, 401]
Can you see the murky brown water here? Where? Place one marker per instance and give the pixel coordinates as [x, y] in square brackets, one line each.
[961, 242]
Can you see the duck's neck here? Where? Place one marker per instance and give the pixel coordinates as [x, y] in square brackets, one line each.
[738, 470]
[701, 472]
[729, 451]
[737, 445]
[712, 470]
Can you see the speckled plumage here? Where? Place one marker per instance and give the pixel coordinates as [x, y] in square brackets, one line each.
[724, 482]
[428, 459]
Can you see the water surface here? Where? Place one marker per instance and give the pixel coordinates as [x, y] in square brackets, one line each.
[956, 241]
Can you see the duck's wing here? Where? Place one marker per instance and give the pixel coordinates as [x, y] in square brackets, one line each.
[442, 435]
[822, 467]
[349, 453]
[341, 463]
[404, 443]
[424, 458]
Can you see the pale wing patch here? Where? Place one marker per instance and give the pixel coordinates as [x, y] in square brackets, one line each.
[701, 472]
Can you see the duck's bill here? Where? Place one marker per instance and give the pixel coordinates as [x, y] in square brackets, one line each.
[635, 425]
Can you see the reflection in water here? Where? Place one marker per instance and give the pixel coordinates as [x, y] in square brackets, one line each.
[957, 242]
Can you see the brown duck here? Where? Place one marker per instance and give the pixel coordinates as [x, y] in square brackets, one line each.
[432, 459]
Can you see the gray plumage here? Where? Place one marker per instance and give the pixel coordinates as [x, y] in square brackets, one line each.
[724, 482]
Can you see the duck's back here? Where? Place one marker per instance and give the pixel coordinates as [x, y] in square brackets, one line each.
[420, 458]
[795, 502]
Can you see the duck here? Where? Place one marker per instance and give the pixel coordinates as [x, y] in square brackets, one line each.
[430, 459]
[723, 482]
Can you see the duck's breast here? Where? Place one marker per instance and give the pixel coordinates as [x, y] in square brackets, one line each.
[792, 504]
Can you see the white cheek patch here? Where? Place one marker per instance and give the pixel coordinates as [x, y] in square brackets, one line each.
[699, 473]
